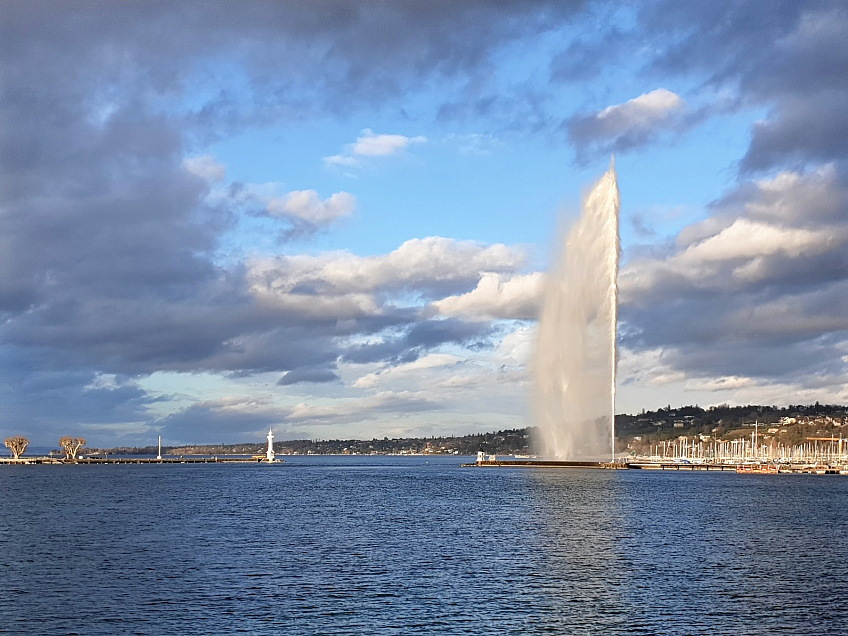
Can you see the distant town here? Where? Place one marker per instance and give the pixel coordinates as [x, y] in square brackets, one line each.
[788, 426]
[636, 434]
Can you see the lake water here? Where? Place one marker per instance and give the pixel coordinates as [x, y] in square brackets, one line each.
[412, 545]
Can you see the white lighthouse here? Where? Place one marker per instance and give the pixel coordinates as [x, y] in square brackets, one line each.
[270, 453]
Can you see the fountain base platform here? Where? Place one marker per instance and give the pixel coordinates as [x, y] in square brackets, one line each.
[542, 463]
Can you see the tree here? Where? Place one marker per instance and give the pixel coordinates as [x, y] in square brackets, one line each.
[17, 445]
[71, 446]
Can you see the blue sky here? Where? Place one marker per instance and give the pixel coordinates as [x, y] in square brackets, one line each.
[335, 219]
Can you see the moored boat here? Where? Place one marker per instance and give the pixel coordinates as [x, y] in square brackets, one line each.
[763, 469]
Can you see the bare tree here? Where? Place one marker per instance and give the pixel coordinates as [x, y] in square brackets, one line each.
[17, 445]
[71, 446]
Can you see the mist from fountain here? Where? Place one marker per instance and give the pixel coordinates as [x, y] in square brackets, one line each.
[575, 359]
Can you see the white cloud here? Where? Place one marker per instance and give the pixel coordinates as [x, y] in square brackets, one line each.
[632, 123]
[206, 167]
[647, 110]
[425, 363]
[341, 161]
[101, 381]
[793, 197]
[727, 383]
[474, 144]
[516, 348]
[358, 409]
[748, 240]
[497, 296]
[429, 262]
[371, 144]
[648, 367]
[304, 211]
[487, 384]
[342, 285]
[763, 230]
[306, 205]
[239, 404]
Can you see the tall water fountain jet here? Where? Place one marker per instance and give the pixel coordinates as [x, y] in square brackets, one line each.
[575, 361]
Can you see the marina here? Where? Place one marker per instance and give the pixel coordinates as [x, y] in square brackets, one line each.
[657, 464]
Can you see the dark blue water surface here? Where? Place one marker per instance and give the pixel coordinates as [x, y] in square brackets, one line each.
[410, 545]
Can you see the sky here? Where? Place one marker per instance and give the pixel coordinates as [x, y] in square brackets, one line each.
[335, 219]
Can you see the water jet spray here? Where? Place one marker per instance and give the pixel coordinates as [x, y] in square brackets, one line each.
[575, 360]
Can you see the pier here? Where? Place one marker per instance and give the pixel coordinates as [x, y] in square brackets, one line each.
[138, 460]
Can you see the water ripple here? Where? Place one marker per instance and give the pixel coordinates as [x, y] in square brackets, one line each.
[408, 546]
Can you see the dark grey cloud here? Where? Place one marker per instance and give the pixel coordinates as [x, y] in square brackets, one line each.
[432, 333]
[640, 226]
[758, 290]
[299, 56]
[635, 123]
[790, 57]
[419, 338]
[216, 422]
[786, 48]
[798, 339]
[803, 363]
[391, 350]
[46, 395]
[586, 57]
[309, 374]
[800, 131]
